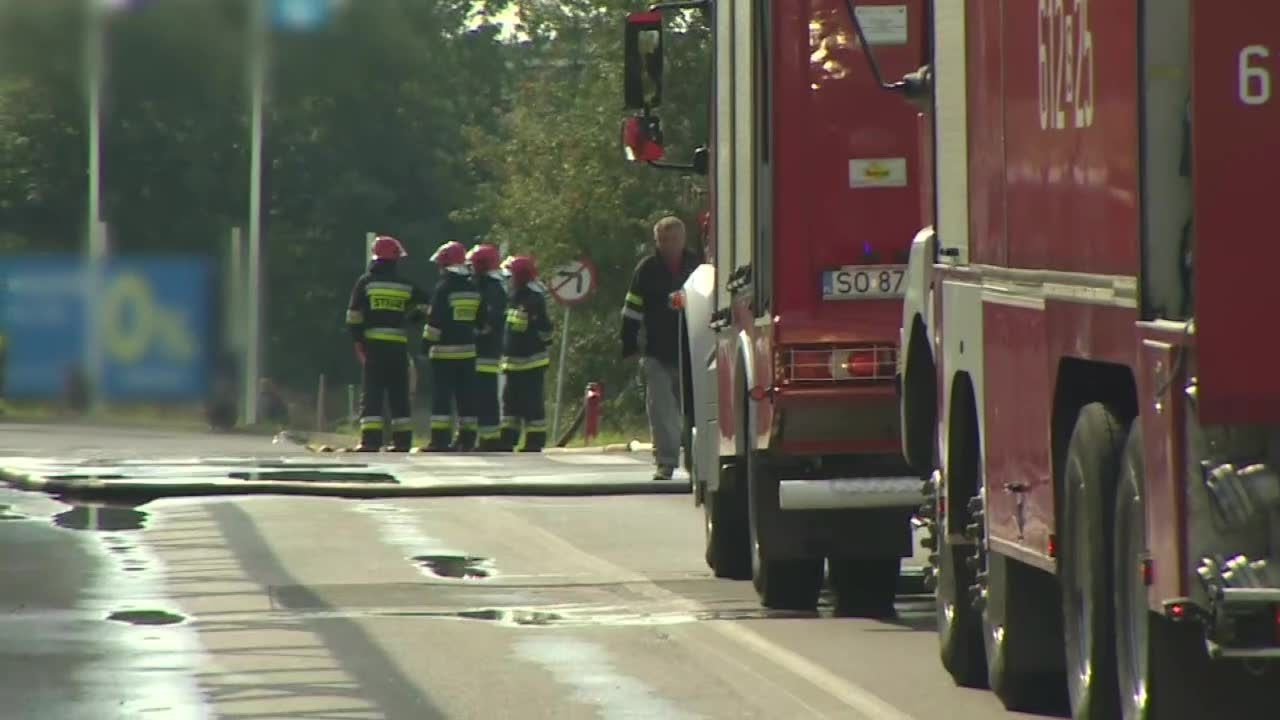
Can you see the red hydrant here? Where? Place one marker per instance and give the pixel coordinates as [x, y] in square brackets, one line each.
[592, 404]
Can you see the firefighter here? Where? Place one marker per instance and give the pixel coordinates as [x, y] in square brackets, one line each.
[483, 259]
[382, 303]
[456, 316]
[525, 361]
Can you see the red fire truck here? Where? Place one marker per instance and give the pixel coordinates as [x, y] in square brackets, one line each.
[1083, 370]
[792, 324]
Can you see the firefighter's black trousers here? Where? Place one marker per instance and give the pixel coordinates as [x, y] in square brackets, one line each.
[384, 396]
[488, 408]
[453, 394]
[524, 409]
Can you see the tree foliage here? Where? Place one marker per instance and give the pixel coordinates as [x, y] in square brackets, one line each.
[417, 118]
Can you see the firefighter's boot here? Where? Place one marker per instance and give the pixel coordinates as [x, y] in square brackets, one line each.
[466, 441]
[401, 440]
[534, 441]
[370, 440]
[510, 439]
[439, 441]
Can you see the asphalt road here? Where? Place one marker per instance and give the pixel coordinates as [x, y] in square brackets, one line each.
[316, 608]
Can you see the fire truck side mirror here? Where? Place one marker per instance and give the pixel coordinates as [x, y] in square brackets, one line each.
[701, 160]
[642, 61]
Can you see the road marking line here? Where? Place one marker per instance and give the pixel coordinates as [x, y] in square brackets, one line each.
[865, 702]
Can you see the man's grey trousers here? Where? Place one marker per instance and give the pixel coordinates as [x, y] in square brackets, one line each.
[662, 403]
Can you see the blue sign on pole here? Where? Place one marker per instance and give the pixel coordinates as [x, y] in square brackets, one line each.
[301, 15]
[155, 326]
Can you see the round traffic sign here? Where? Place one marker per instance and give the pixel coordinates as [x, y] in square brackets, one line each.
[574, 283]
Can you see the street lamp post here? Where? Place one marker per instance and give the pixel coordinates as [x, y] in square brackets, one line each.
[95, 246]
[257, 91]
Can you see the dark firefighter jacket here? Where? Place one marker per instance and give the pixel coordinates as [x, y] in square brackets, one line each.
[528, 330]
[648, 303]
[382, 303]
[455, 318]
[489, 343]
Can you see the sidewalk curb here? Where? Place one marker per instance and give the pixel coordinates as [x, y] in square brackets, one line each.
[147, 491]
[341, 443]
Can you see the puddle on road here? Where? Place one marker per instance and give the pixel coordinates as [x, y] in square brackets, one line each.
[455, 566]
[83, 517]
[146, 617]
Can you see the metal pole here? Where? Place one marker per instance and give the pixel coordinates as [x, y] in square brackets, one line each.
[236, 290]
[320, 405]
[257, 82]
[564, 345]
[96, 246]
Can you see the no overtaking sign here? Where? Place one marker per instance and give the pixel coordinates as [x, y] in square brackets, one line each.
[574, 283]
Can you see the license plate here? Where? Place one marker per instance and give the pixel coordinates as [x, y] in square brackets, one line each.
[860, 282]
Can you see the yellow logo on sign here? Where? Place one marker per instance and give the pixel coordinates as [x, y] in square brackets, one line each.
[876, 171]
[132, 322]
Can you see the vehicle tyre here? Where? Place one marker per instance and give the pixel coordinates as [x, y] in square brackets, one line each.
[865, 586]
[724, 510]
[782, 584]
[1090, 477]
[1018, 636]
[918, 406]
[1161, 664]
[959, 621]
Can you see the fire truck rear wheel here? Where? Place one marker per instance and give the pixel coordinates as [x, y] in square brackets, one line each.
[724, 510]
[1161, 664]
[865, 586]
[782, 583]
[1090, 476]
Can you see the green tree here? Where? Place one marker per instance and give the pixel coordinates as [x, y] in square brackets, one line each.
[553, 182]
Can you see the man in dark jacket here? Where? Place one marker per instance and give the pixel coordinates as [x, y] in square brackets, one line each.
[525, 360]
[382, 303]
[457, 314]
[484, 260]
[652, 303]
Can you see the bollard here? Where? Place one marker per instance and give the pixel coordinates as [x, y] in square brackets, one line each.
[592, 404]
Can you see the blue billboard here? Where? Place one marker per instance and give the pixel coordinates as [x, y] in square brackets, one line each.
[156, 318]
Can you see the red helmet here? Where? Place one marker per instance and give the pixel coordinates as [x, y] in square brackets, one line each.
[522, 269]
[450, 253]
[483, 257]
[386, 247]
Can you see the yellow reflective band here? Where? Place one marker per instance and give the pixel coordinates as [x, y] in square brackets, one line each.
[389, 286]
[526, 363]
[464, 309]
[631, 314]
[385, 335]
[453, 352]
[487, 365]
[430, 333]
[388, 299]
[354, 317]
[370, 424]
[634, 299]
[441, 424]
